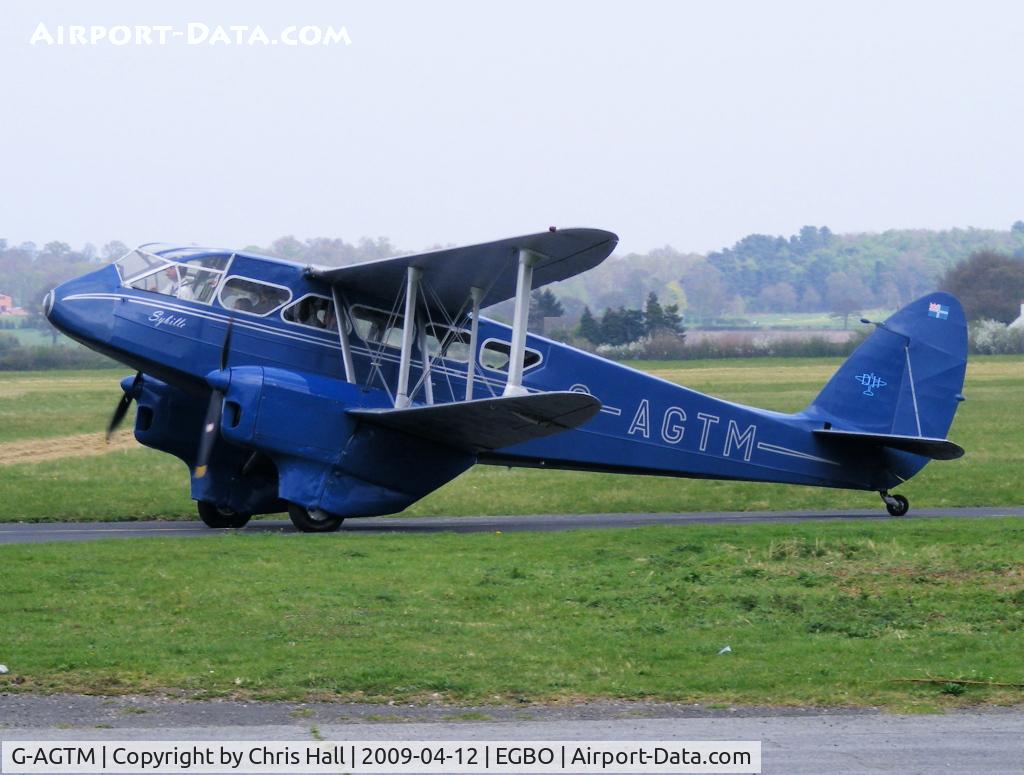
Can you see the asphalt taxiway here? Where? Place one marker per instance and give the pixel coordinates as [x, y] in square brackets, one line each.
[40, 532]
[793, 740]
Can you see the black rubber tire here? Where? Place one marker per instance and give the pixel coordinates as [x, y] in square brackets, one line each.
[898, 509]
[316, 522]
[221, 518]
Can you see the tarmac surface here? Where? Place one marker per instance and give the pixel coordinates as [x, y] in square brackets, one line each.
[39, 532]
[793, 740]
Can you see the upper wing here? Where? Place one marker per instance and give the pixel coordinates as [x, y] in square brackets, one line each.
[448, 274]
[488, 423]
[936, 449]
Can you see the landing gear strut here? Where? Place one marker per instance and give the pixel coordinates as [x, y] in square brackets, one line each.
[896, 505]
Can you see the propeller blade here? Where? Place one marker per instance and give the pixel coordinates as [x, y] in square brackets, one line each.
[214, 411]
[225, 350]
[209, 434]
[122, 406]
[254, 458]
[119, 412]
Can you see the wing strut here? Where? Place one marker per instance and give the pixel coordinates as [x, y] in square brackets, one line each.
[412, 282]
[421, 342]
[474, 339]
[524, 283]
[340, 316]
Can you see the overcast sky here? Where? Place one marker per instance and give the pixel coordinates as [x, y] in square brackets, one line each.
[685, 123]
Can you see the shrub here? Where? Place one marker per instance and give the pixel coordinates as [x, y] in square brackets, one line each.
[990, 337]
[621, 352]
[664, 346]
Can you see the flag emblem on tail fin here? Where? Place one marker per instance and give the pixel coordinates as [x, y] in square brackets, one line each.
[940, 311]
[871, 382]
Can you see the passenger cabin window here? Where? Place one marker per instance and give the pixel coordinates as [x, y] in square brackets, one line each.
[449, 343]
[494, 355]
[252, 296]
[312, 311]
[377, 327]
[174, 274]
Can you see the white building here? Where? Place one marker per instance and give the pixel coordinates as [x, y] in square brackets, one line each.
[1019, 322]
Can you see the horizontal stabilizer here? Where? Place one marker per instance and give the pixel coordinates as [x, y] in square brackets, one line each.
[488, 423]
[936, 449]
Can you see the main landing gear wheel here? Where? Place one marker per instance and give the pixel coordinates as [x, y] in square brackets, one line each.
[896, 505]
[313, 521]
[214, 516]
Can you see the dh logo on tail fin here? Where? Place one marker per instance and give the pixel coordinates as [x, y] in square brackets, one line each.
[871, 382]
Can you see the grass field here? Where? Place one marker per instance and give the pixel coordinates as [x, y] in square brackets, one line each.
[141, 483]
[47, 404]
[827, 614]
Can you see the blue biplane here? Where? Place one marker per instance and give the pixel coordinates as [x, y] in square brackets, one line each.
[355, 391]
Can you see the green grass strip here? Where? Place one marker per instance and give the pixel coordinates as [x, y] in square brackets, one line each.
[819, 614]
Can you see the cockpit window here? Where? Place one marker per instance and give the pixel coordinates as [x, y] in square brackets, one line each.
[216, 263]
[141, 261]
[138, 262]
[252, 296]
[184, 255]
[178, 273]
[183, 281]
[378, 327]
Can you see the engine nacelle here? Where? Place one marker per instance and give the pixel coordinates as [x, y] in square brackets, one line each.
[170, 419]
[325, 458]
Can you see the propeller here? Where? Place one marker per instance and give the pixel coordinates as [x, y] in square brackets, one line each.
[213, 412]
[122, 406]
[225, 348]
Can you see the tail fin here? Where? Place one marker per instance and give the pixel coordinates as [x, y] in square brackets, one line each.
[907, 376]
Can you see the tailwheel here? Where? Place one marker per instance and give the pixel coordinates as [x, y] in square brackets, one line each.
[313, 520]
[215, 516]
[896, 505]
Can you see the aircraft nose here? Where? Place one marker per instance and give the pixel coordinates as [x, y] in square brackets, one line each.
[83, 308]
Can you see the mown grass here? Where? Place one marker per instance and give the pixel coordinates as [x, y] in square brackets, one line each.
[45, 404]
[146, 484]
[824, 614]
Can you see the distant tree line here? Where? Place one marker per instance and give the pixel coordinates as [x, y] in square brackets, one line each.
[642, 297]
[329, 251]
[622, 326]
[815, 270]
